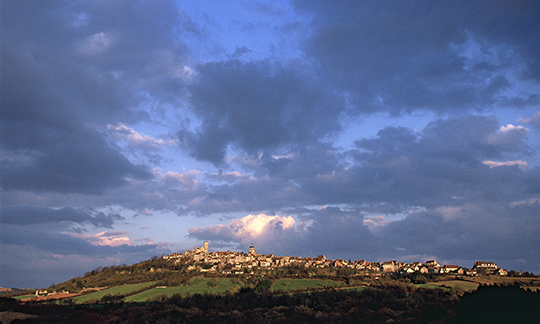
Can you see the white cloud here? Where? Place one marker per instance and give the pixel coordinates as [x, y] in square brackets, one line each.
[375, 221]
[95, 44]
[110, 238]
[532, 201]
[254, 225]
[511, 128]
[534, 121]
[231, 176]
[188, 180]
[247, 227]
[450, 212]
[519, 163]
[509, 135]
[137, 139]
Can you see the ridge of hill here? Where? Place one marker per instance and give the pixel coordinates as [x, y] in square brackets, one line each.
[169, 289]
[251, 268]
[177, 268]
[11, 291]
[170, 272]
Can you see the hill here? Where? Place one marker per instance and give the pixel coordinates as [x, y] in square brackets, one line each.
[186, 290]
[250, 269]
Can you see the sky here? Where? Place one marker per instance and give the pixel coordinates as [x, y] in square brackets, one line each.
[370, 130]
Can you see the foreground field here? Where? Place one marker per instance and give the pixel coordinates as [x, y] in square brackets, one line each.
[24, 297]
[528, 282]
[301, 284]
[197, 285]
[118, 290]
[150, 291]
[203, 300]
[385, 304]
[200, 285]
[462, 286]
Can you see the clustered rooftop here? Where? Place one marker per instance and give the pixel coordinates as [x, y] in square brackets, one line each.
[229, 262]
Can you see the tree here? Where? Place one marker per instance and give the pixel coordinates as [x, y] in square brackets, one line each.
[112, 301]
[212, 283]
[263, 286]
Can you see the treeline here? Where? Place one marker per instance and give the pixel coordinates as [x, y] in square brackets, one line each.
[499, 304]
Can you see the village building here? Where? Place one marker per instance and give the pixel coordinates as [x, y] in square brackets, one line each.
[451, 268]
[471, 272]
[432, 263]
[229, 262]
[483, 265]
[390, 266]
[252, 250]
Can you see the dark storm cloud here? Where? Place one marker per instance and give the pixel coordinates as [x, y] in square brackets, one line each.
[410, 55]
[239, 51]
[271, 182]
[27, 214]
[533, 121]
[70, 69]
[49, 238]
[339, 233]
[71, 162]
[90, 87]
[505, 233]
[258, 106]
[446, 160]
[58, 256]
[451, 161]
[453, 184]
[281, 237]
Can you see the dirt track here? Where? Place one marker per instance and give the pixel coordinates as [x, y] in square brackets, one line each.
[55, 296]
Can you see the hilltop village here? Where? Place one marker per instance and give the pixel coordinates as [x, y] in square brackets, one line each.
[245, 263]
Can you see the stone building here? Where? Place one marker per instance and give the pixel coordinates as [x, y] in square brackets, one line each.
[252, 250]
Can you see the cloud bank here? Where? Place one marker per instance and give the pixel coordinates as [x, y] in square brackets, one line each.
[364, 130]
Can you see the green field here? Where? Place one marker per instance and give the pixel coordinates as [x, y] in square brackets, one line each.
[24, 296]
[299, 284]
[118, 290]
[427, 286]
[460, 285]
[355, 288]
[197, 285]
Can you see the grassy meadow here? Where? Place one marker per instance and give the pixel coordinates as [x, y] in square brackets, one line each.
[24, 296]
[300, 284]
[150, 291]
[460, 285]
[118, 290]
[197, 285]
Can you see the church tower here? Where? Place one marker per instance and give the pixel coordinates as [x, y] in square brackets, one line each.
[205, 246]
[252, 250]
